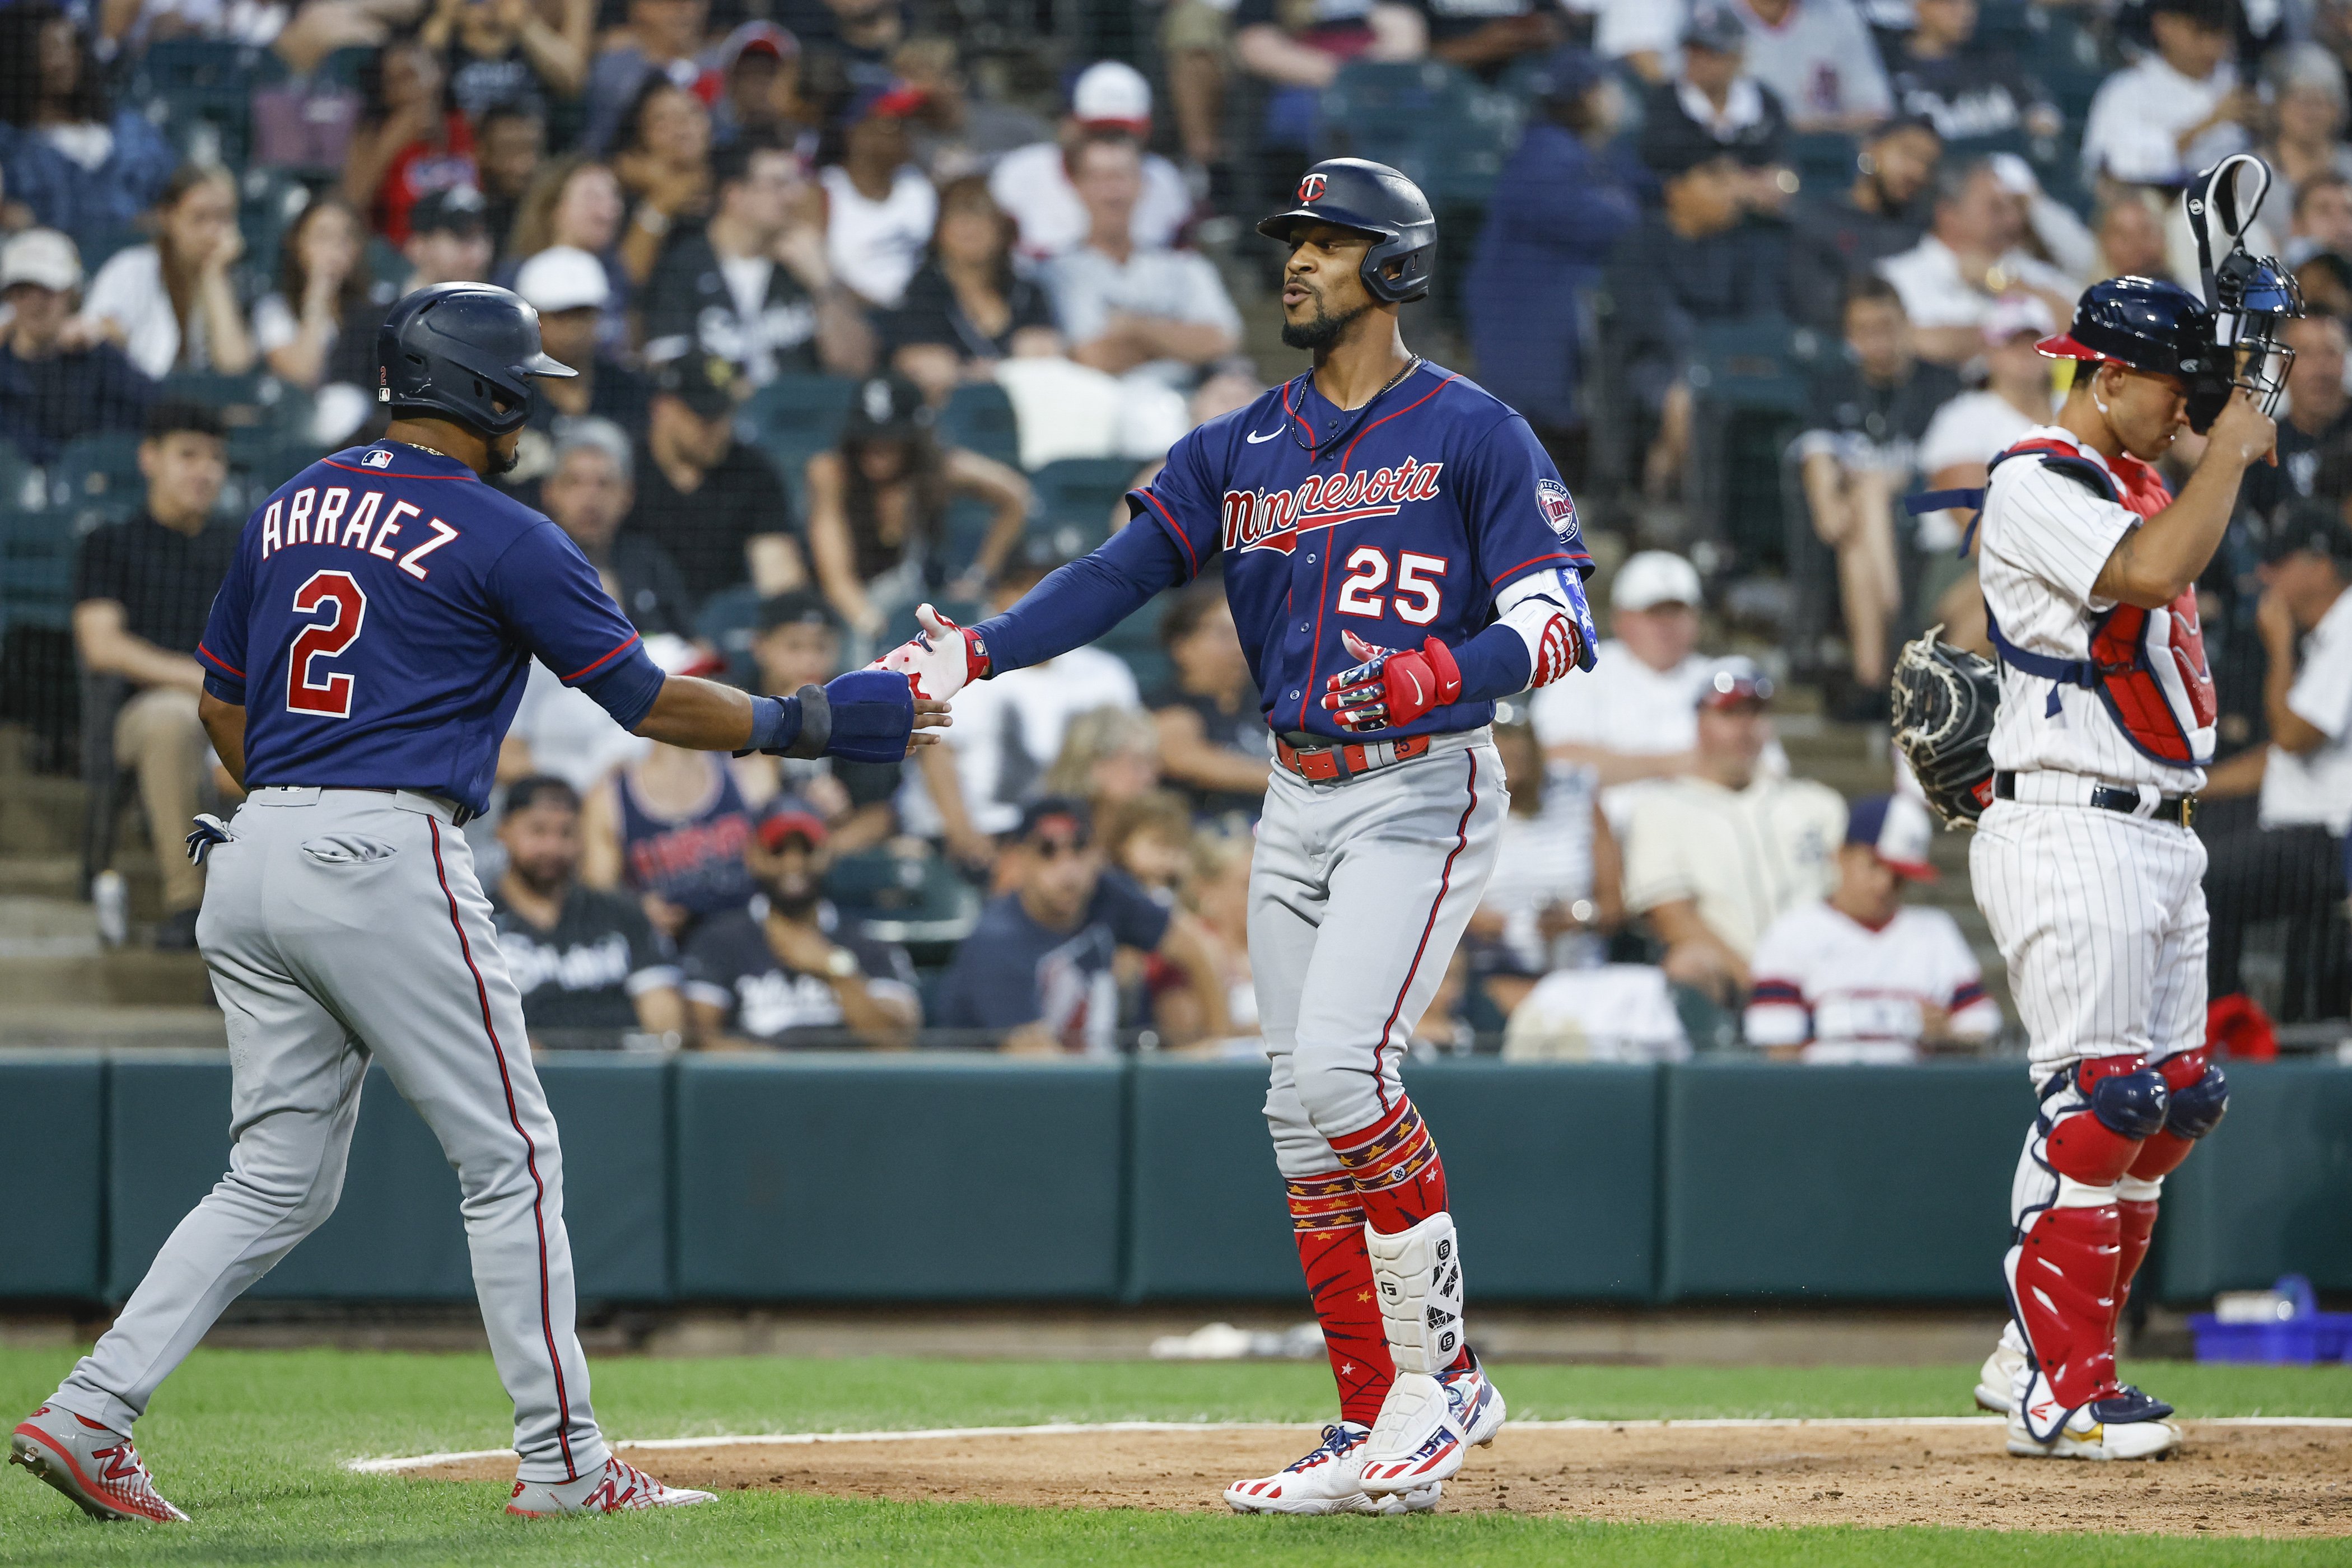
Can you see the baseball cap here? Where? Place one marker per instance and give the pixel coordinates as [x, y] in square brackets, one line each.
[526, 792]
[887, 407]
[791, 818]
[1895, 828]
[1569, 73]
[41, 257]
[2306, 523]
[799, 607]
[757, 37]
[2014, 313]
[1735, 681]
[1716, 27]
[894, 99]
[1653, 577]
[564, 277]
[703, 382]
[1675, 146]
[1112, 93]
[1056, 818]
[457, 210]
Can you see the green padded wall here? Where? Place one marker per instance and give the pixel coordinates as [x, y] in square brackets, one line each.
[1835, 1183]
[52, 1114]
[1553, 1174]
[2269, 1192]
[397, 1235]
[1206, 1216]
[825, 1176]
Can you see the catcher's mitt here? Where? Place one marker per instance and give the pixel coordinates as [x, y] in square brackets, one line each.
[1945, 698]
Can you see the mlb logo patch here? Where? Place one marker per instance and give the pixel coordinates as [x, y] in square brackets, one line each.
[380, 459]
[1559, 507]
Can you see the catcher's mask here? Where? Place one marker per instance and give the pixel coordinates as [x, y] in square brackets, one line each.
[2249, 298]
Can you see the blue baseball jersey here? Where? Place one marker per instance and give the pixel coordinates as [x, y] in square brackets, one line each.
[1397, 522]
[380, 619]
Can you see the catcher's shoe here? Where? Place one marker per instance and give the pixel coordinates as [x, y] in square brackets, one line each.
[1476, 1403]
[1415, 1441]
[2121, 1427]
[2002, 1370]
[1329, 1479]
[91, 1464]
[618, 1487]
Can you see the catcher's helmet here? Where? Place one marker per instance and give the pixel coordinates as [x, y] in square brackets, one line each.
[465, 351]
[2147, 323]
[1355, 193]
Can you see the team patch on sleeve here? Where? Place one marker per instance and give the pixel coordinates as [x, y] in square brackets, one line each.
[1558, 506]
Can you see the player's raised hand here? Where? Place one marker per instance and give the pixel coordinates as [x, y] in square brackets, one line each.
[940, 660]
[2241, 433]
[1391, 686]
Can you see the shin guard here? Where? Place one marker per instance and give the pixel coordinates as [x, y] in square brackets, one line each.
[2135, 1203]
[1418, 1273]
[1328, 1222]
[2061, 1284]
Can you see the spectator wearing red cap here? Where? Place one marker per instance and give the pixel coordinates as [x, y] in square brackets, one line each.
[879, 207]
[788, 971]
[1716, 855]
[759, 90]
[1036, 188]
[1860, 976]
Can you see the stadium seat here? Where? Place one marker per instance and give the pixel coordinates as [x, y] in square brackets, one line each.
[1824, 160]
[36, 567]
[1077, 499]
[980, 418]
[1759, 366]
[255, 400]
[795, 417]
[260, 460]
[966, 531]
[915, 899]
[1392, 113]
[728, 622]
[96, 479]
[268, 201]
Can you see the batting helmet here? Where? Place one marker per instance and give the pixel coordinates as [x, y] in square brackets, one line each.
[1355, 193]
[2147, 323]
[463, 349]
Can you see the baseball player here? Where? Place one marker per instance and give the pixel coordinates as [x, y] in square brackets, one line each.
[363, 659]
[1399, 552]
[2084, 862]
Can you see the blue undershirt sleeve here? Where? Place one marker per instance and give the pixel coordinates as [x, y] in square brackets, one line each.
[1494, 664]
[1083, 600]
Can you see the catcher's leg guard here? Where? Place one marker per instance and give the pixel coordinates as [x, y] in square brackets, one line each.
[2061, 1269]
[1326, 1220]
[2197, 1093]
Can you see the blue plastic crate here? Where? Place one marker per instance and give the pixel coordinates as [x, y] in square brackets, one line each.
[2322, 1336]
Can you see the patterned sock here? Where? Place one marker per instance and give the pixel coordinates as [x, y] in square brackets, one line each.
[1398, 1177]
[1328, 1223]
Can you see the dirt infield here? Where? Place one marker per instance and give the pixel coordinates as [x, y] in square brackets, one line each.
[2228, 1480]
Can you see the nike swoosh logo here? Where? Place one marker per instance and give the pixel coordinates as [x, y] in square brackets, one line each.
[1269, 435]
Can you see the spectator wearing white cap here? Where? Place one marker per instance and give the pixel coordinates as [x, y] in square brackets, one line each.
[1033, 184]
[1716, 855]
[570, 290]
[57, 380]
[1860, 976]
[1634, 720]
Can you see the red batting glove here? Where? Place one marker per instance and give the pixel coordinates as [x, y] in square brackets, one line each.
[1393, 686]
[940, 660]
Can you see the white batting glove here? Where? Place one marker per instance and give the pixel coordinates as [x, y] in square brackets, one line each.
[940, 660]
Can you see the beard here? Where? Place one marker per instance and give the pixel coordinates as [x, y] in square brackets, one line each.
[1320, 331]
[547, 878]
[502, 462]
[796, 901]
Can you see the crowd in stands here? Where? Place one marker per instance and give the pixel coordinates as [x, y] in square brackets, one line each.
[863, 319]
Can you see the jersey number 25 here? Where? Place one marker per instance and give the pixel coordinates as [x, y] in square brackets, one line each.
[1415, 597]
[338, 592]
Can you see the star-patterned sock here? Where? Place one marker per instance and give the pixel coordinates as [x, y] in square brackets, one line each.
[1329, 1224]
[1399, 1178]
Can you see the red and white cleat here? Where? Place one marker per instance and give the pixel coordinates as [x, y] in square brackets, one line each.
[618, 1487]
[94, 1465]
[1327, 1479]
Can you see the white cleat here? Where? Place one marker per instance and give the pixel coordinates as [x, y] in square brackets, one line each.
[1415, 1440]
[1477, 1405]
[618, 1487]
[2130, 1426]
[2002, 1370]
[1329, 1479]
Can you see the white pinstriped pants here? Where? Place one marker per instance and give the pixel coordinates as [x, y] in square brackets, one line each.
[2101, 919]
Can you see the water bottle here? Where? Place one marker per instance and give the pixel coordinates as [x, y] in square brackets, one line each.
[112, 901]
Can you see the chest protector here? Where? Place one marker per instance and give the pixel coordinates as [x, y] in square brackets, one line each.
[2149, 667]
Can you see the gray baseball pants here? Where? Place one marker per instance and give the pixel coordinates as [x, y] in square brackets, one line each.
[1360, 891]
[340, 926]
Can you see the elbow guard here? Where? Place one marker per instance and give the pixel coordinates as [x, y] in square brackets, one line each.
[1548, 611]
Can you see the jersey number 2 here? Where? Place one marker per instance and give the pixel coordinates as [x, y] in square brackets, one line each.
[1415, 597]
[339, 592]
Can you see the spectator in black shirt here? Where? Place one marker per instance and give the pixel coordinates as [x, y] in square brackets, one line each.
[2318, 415]
[712, 503]
[510, 144]
[799, 644]
[1835, 239]
[1689, 263]
[570, 291]
[754, 288]
[1870, 408]
[1942, 74]
[143, 591]
[587, 961]
[1716, 99]
[57, 379]
[788, 971]
[587, 492]
[966, 308]
[1213, 741]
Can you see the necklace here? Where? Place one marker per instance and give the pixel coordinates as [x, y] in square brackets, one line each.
[439, 453]
[1336, 436]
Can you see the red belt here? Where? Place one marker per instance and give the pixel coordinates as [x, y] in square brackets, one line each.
[1321, 765]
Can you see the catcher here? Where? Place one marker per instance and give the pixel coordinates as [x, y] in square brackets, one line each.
[2078, 759]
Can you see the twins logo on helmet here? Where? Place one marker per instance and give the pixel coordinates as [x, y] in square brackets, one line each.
[1311, 188]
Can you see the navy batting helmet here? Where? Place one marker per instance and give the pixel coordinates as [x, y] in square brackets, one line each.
[2147, 323]
[465, 351]
[1355, 193]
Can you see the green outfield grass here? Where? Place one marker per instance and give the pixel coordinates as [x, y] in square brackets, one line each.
[251, 1444]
